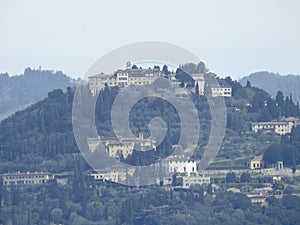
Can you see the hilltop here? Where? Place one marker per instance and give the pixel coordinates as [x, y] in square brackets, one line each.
[44, 132]
[19, 92]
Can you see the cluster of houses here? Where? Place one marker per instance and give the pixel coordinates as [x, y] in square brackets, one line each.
[124, 147]
[182, 170]
[140, 76]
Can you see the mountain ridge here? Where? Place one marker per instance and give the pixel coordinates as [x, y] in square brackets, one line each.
[20, 91]
[273, 82]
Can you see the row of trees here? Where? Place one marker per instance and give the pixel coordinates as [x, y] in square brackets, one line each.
[244, 178]
[105, 203]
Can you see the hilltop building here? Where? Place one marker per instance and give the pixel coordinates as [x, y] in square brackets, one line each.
[139, 76]
[123, 78]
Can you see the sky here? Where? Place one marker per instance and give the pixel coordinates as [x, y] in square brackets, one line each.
[232, 37]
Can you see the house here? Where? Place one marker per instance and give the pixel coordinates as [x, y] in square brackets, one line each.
[257, 162]
[279, 127]
[28, 178]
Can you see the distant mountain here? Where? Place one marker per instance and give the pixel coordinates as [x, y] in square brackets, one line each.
[272, 82]
[18, 92]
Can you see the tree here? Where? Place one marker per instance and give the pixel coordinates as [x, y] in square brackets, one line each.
[134, 67]
[248, 85]
[273, 109]
[210, 189]
[230, 177]
[197, 89]
[181, 84]
[280, 102]
[245, 177]
[56, 215]
[165, 70]
[265, 115]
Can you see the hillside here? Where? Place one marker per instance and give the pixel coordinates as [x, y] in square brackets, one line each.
[43, 131]
[272, 82]
[18, 92]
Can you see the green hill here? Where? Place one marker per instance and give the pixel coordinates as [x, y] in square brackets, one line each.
[43, 131]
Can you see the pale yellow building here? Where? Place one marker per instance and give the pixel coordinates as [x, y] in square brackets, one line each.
[257, 162]
[123, 147]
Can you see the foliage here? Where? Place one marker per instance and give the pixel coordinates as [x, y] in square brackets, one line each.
[288, 150]
[245, 177]
[108, 203]
[231, 177]
[18, 92]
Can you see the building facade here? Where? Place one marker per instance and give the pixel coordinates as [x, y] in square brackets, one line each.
[188, 180]
[199, 79]
[124, 147]
[181, 164]
[29, 178]
[221, 91]
[257, 162]
[279, 127]
[123, 78]
[113, 175]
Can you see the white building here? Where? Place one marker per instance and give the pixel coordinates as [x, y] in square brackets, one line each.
[188, 181]
[221, 91]
[114, 175]
[181, 164]
[279, 127]
[29, 178]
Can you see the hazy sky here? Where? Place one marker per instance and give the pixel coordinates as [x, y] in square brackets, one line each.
[232, 37]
